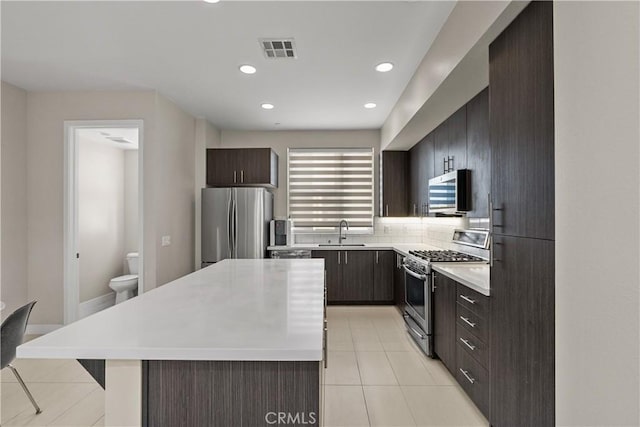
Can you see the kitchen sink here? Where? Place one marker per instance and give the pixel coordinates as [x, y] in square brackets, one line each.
[337, 245]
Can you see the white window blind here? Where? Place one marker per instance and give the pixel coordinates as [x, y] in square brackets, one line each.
[328, 185]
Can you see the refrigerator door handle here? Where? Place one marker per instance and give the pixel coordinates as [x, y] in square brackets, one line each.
[235, 225]
[229, 224]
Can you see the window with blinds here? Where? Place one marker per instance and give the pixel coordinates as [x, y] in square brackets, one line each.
[328, 185]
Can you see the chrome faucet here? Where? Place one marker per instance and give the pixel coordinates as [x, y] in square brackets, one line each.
[340, 236]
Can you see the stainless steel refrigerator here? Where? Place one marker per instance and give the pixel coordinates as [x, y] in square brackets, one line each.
[235, 223]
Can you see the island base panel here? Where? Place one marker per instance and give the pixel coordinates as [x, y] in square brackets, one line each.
[95, 368]
[230, 393]
[123, 393]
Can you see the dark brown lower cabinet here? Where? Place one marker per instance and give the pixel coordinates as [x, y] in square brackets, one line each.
[350, 276]
[357, 275]
[398, 283]
[474, 379]
[444, 323]
[383, 270]
[522, 336]
[333, 270]
[461, 323]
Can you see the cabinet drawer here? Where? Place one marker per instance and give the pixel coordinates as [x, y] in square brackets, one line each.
[473, 300]
[473, 323]
[473, 345]
[474, 379]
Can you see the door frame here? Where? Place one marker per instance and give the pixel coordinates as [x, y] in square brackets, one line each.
[71, 283]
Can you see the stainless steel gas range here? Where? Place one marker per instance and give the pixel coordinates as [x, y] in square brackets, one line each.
[418, 315]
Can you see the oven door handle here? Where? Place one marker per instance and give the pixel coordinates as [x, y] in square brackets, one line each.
[411, 273]
[414, 330]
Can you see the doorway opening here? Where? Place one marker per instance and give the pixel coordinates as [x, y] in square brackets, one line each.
[103, 229]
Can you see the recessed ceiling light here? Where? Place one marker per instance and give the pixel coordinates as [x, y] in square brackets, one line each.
[211, 1]
[248, 69]
[267, 106]
[369, 105]
[383, 67]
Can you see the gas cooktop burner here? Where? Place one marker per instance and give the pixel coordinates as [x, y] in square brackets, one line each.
[445, 256]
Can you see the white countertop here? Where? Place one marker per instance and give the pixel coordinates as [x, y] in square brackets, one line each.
[259, 309]
[474, 276]
[402, 248]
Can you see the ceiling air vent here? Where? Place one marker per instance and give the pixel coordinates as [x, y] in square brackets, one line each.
[118, 139]
[279, 48]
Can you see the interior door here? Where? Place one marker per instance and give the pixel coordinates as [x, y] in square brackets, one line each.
[216, 224]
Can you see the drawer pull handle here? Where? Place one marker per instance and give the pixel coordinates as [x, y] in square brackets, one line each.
[467, 321]
[466, 375]
[467, 299]
[468, 344]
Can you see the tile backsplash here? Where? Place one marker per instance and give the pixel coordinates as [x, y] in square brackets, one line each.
[429, 230]
[432, 231]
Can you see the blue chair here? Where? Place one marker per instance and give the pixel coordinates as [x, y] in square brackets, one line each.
[12, 331]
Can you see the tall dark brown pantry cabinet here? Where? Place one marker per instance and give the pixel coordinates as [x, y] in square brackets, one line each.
[522, 365]
[479, 154]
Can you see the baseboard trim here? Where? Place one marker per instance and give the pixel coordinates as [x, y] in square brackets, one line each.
[95, 305]
[36, 329]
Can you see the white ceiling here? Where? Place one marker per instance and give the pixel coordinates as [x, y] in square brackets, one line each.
[190, 52]
[105, 135]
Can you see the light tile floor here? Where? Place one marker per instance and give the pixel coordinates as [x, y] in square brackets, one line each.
[66, 393]
[376, 376]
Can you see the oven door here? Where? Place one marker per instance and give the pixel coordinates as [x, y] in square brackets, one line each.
[418, 298]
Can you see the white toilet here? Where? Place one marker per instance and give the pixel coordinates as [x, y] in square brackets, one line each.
[124, 286]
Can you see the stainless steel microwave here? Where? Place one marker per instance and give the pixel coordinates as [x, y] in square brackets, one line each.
[450, 194]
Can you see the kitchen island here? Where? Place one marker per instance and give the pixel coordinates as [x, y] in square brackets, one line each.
[239, 343]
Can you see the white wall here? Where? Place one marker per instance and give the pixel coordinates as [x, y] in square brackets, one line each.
[457, 57]
[281, 140]
[13, 288]
[131, 211]
[101, 219]
[597, 213]
[168, 180]
[174, 184]
[207, 136]
[46, 113]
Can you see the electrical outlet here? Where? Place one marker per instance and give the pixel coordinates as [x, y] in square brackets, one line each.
[387, 229]
[166, 240]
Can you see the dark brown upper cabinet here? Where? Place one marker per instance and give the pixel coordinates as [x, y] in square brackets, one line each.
[395, 183]
[479, 154]
[421, 168]
[521, 126]
[450, 143]
[242, 167]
